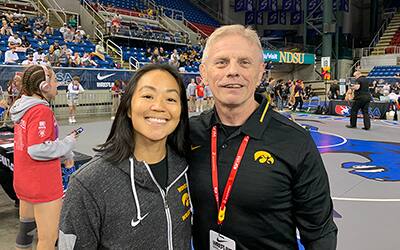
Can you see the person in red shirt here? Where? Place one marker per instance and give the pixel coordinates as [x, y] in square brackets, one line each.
[37, 158]
[200, 97]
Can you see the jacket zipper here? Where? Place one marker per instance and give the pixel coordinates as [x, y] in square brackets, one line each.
[166, 207]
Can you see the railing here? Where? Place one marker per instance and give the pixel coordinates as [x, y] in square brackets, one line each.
[137, 34]
[133, 63]
[99, 35]
[353, 68]
[386, 50]
[111, 46]
[45, 10]
[381, 30]
[94, 13]
[164, 18]
[194, 28]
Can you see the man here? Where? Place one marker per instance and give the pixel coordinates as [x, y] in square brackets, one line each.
[334, 91]
[11, 57]
[28, 61]
[275, 185]
[362, 98]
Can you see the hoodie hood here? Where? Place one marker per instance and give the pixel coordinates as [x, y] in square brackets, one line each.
[23, 104]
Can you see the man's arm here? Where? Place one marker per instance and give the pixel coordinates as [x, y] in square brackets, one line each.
[313, 206]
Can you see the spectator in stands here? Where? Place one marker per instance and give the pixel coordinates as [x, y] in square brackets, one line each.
[48, 30]
[174, 60]
[386, 89]
[155, 57]
[73, 91]
[46, 61]
[25, 43]
[37, 164]
[6, 29]
[14, 88]
[64, 60]
[334, 93]
[116, 92]
[76, 60]
[162, 53]
[99, 51]
[26, 27]
[116, 24]
[69, 35]
[86, 60]
[54, 47]
[208, 96]
[148, 53]
[28, 61]
[81, 32]
[38, 56]
[11, 57]
[64, 29]
[14, 41]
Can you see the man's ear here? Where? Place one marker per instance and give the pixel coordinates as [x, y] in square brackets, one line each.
[203, 72]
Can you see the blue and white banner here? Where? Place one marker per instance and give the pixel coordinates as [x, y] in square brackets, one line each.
[260, 17]
[296, 18]
[273, 5]
[297, 5]
[250, 5]
[287, 5]
[90, 78]
[263, 5]
[344, 5]
[282, 17]
[240, 5]
[273, 17]
[249, 18]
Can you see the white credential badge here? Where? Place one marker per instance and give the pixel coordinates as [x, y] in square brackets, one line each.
[221, 242]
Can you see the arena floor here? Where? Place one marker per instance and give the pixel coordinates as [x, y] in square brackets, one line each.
[363, 168]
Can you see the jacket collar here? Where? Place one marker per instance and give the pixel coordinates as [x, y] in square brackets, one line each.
[255, 124]
[176, 165]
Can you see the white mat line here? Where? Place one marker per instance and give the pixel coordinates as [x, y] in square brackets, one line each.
[364, 199]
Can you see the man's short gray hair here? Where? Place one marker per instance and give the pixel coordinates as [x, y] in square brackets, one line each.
[235, 29]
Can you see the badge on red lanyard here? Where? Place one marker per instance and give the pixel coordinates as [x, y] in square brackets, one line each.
[232, 175]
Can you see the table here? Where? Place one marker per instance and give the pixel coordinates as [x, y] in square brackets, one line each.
[7, 163]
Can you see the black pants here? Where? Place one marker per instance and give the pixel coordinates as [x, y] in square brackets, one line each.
[363, 104]
[6, 181]
[298, 100]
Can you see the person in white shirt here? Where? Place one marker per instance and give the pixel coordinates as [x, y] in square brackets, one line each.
[11, 57]
[73, 91]
[64, 28]
[14, 41]
[29, 60]
[81, 31]
[45, 61]
[38, 56]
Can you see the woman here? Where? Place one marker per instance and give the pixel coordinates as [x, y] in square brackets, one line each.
[134, 194]
[37, 153]
[73, 91]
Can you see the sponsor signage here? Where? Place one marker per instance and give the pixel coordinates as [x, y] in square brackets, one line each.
[288, 57]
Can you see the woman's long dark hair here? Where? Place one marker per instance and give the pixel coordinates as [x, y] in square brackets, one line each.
[120, 143]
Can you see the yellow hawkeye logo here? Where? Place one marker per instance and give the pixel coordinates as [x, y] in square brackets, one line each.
[264, 157]
[195, 147]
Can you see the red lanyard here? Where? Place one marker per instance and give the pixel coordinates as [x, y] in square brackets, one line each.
[232, 175]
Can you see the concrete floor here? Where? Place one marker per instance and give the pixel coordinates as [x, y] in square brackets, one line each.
[369, 207]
